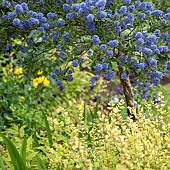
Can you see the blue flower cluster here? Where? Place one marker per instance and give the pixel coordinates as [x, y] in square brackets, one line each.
[73, 27]
[60, 75]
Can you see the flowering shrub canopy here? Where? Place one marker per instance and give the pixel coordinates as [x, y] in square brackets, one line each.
[102, 33]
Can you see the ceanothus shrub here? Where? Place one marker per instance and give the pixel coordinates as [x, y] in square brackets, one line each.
[125, 36]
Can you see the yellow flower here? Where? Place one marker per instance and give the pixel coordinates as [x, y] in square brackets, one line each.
[18, 71]
[41, 79]
[39, 72]
[35, 82]
[46, 82]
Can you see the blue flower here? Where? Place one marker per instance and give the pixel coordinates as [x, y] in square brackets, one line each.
[165, 49]
[11, 15]
[101, 15]
[61, 88]
[70, 16]
[109, 75]
[116, 15]
[130, 18]
[23, 49]
[74, 63]
[24, 6]
[142, 66]
[123, 10]
[165, 36]
[145, 34]
[60, 23]
[117, 29]
[33, 21]
[59, 82]
[129, 59]
[163, 21]
[66, 35]
[90, 18]
[143, 6]
[113, 43]
[58, 47]
[90, 26]
[109, 53]
[116, 23]
[93, 80]
[157, 32]
[156, 74]
[168, 10]
[137, 4]
[138, 49]
[81, 59]
[153, 47]
[6, 3]
[89, 52]
[148, 12]
[16, 22]
[103, 47]
[57, 71]
[131, 8]
[69, 78]
[138, 35]
[126, 2]
[96, 40]
[55, 38]
[75, 7]
[165, 66]
[157, 13]
[149, 6]
[66, 8]
[151, 40]
[147, 51]
[62, 54]
[53, 76]
[101, 4]
[69, 1]
[92, 87]
[156, 51]
[152, 62]
[46, 25]
[105, 66]
[41, 29]
[51, 15]
[123, 59]
[140, 41]
[156, 80]
[69, 72]
[167, 16]
[30, 42]
[123, 76]
[19, 9]
[141, 15]
[98, 68]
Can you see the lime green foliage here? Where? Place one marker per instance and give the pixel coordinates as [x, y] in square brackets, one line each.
[166, 93]
[21, 154]
[103, 141]
[25, 115]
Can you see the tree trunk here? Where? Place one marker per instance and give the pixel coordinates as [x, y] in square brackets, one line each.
[128, 92]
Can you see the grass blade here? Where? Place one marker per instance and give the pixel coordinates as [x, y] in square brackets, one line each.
[15, 157]
[23, 150]
[48, 130]
[2, 166]
[41, 164]
[36, 144]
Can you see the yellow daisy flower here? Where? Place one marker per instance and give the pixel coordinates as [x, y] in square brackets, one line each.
[39, 72]
[18, 71]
